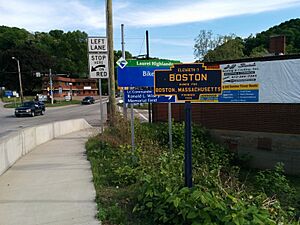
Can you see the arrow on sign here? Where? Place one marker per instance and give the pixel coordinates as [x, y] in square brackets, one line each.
[98, 66]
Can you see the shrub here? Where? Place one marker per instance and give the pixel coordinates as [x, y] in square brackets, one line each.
[156, 179]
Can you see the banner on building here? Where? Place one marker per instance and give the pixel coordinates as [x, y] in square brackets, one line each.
[275, 81]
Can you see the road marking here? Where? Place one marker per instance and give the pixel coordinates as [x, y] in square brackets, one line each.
[141, 115]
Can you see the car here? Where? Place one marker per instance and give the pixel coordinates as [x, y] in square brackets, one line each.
[30, 108]
[88, 100]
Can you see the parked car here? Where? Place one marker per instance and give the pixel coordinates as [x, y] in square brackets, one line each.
[88, 100]
[31, 108]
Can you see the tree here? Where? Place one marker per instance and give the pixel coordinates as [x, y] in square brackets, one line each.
[231, 49]
[291, 29]
[63, 52]
[206, 42]
[259, 51]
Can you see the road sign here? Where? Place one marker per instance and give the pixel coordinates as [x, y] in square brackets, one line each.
[97, 44]
[122, 62]
[8, 93]
[98, 65]
[140, 73]
[145, 96]
[188, 81]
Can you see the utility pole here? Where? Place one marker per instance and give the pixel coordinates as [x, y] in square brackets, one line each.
[20, 79]
[147, 57]
[109, 33]
[123, 56]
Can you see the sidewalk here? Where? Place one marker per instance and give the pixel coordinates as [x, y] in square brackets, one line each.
[52, 185]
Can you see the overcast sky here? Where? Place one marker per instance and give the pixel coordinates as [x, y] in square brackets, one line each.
[172, 24]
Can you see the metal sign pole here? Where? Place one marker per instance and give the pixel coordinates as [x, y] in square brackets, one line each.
[101, 106]
[170, 127]
[188, 145]
[51, 86]
[132, 127]
[123, 56]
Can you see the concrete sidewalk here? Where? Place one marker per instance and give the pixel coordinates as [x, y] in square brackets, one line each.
[51, 185]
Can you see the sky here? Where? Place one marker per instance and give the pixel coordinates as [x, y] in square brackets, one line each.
[173, 25]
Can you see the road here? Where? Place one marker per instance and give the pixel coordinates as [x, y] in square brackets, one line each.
[91, 113]
[9, 123]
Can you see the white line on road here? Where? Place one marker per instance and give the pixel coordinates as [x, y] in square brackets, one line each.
[141, 115]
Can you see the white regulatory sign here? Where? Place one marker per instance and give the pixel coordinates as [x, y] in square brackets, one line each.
[97, 44]
[98, 65]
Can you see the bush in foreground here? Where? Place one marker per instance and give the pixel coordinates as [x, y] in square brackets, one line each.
[149, 181]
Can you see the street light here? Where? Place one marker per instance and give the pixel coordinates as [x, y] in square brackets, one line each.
[20, 79]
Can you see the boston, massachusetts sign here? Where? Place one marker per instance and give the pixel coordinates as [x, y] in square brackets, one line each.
[188, 81]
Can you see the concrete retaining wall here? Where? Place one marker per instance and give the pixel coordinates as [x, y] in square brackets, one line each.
[17, 145]
[263, 149]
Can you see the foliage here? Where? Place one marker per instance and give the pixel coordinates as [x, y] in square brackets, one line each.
[275, 183]
[151, 180]
[63, 52]
[206, 41]
[217, 48]
[291, 29]
[232, 49]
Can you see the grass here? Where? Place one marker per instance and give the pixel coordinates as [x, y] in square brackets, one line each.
[63, 103]
[16, 100]
[115, 201]
[140, 106]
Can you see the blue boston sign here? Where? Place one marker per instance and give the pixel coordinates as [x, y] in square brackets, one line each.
[145, 96]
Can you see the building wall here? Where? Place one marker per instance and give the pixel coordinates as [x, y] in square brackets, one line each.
[70, 86]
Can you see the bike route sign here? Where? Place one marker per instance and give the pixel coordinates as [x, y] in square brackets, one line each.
[188, 81]
[140, 73]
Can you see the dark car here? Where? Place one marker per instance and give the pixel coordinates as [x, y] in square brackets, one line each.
[31, 108]
[88, 100]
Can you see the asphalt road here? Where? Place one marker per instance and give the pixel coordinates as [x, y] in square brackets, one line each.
[9, 123]
[91, 113]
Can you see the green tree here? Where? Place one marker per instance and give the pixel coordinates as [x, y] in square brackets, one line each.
[231, 49]
[291, 29]
[206, 42]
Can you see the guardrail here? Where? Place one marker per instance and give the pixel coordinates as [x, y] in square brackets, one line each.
[14, 146]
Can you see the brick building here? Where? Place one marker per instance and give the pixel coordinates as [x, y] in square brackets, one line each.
[63, 86]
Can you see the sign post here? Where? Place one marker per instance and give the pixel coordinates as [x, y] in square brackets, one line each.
[188, 82]
[170, 127]
[188, 179]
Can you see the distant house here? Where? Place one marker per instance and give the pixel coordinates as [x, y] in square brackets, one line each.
[63, 86]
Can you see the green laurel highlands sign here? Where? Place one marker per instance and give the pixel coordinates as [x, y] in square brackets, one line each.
[188, 81]
[151, 63]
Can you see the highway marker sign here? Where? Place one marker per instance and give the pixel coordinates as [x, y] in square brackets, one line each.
[122, 62]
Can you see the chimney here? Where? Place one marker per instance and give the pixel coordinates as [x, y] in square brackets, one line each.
[277, 45]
